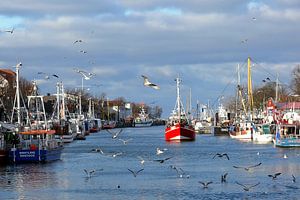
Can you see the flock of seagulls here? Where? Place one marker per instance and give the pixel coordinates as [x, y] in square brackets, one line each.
[180, 172]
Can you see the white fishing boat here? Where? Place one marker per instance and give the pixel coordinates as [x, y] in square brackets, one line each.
[143, 120]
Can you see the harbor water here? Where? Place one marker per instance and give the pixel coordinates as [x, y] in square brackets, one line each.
[66, 179]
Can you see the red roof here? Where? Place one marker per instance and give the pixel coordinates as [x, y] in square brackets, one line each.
[289, 105]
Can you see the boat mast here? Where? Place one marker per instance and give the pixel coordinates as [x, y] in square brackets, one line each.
[237, 92]
[18, 94]
[250, 94]
[178, 99]
[277, 87]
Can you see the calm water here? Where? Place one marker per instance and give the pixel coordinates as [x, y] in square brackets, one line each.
[66, 179]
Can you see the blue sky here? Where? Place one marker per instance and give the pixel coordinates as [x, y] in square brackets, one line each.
[201, 40]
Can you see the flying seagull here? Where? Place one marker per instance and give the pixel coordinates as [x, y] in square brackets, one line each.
[89, 173]
[135, 173]
[142, 161]
[86, 75]
[274, 176]
[223, 178]
[248, 168]
[162, 160]
[160, 151]
[77, 41]
[149, 84]
[180, 172]
[294, 178]
[55, 75]
[221, 155]
[247, 188]
[114, 135]
[82, 51]
[125, 141]
[205, 184]
[10, 31]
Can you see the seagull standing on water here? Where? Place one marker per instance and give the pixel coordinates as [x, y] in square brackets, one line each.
[149, 84]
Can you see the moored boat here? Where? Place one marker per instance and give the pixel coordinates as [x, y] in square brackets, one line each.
[287, 135]
[142, 120]
[36, 146]
[178, 126]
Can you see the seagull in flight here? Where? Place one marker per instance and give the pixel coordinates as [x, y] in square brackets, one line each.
[160, 151]
[82, 51]
[180, 172]
[247, 188]
[223, 178]
[135, 173]
[86, 75]
[125, 141]
[294, 178]
[221, 155]
[149, 84]
[205, 184]
[10, 31]
[142, 160]
[274, 176]
[89, 173]
[114, 135]
[248, 168]
[244, 41]
[162, 160]
[77, 41]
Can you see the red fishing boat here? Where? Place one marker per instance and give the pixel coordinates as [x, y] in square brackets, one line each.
[179, 127]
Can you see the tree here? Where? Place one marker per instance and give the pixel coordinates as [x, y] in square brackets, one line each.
[295, 84]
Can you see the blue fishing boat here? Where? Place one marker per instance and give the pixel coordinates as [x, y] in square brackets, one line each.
[36, 146]
[287, 135]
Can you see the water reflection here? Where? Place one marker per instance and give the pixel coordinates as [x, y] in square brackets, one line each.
[67, 179]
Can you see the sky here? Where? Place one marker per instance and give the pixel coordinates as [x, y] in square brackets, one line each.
[201, 41]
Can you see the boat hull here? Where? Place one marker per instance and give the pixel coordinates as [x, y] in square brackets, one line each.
[143, 124]
[241, 135]
[179, 133]
[27, 156]
[291, 142]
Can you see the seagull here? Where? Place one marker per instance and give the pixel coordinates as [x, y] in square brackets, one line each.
[10, 31]
[221, 155]
[268, 78]
[254, 18]
[142, 161]
[135, 173]
[82, 51]
[244, 41]
[114, 135]
[149, 84]
[86, 75]
[223, 178]
[125, 141]
[97, 150]
[55, 75]
[116, 154]
[162, 160]
[247, 188]
[294, 178]
[285, 156]
[274, 176]
[89, 173]
[205, 184]
[77, 41]
[248, 168]
[181, 173]
[159, 151]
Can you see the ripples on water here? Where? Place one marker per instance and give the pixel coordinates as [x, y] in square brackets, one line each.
[65, 179]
